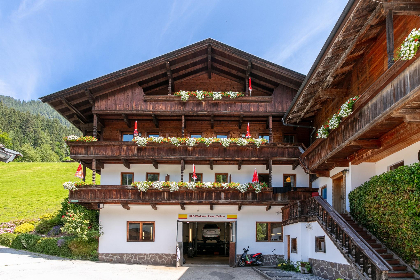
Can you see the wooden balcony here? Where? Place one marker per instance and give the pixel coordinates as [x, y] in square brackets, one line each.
[129, 151]
[117, 194]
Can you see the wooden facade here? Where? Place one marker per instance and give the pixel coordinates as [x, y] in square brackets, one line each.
[357, 60]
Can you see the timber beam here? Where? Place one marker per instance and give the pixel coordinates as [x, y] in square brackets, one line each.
[126, 163]
[367, 143]
[125, 206]
[154, 207]
[268, 207]
[402, 7]
[209, 61]
[170, 78]
[155, 164]
[212, 121]
[211, 206]
[322, 173]
[295, 165]
[248, 72]
[211, 164]
[77, 113]
[239, 207]
[182, 205]
[241, 119]
[126, 120]
[240, 165]
[90, 96]
[155, 121]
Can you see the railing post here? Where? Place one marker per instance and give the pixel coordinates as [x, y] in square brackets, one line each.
[93, 171]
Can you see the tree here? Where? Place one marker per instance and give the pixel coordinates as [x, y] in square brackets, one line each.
[5, 139]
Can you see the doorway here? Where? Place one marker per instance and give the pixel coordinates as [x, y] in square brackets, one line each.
[207, 242]
[339, 193]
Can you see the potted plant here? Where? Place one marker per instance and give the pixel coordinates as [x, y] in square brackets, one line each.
[305, 267]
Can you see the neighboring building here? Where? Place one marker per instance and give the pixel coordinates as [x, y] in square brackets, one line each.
[7, 155]
[285, 107]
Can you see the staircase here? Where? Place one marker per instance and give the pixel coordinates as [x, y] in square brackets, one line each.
[368, 257]
[399, 269]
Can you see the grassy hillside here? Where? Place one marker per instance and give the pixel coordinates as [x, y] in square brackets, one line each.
[30, 189]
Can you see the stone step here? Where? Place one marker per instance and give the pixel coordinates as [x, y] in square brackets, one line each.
[400, 274]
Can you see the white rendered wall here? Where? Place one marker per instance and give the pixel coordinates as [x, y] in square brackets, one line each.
[111, 174]
[113, 219]
[408, 154]
[358, 174]
[306, 243]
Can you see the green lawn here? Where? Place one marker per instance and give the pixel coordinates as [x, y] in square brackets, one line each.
[31, 189]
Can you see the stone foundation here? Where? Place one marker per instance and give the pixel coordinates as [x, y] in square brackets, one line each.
[332, 271]
[269, 260]
[156, 259]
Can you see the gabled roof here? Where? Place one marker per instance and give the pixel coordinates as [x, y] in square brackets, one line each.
[352, 36]
[7, 155]
[75, 103]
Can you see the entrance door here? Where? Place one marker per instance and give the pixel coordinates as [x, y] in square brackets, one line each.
[338, 197]
[232, 245]
[179, 245]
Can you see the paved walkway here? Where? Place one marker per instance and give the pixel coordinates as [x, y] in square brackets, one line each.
[276, 274]
[16, 264]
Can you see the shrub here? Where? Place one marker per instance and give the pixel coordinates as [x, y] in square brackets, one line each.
[53, 246]
[25, 241]
[45, 225]
[6, 239]
[84, 249]
[24, 228]
[388, 205]
[287, 265]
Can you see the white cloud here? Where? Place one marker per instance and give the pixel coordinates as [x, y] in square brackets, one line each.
[27, 8]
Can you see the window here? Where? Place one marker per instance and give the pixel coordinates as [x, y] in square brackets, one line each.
[221, 136]
[221, 177]
[269, 232]
[287, 138]
[396, 165]
[293, 246]
[264, 136]
[324, 192]
[152, 177]
[195, 135]
[320, 244]
[289, 180]
[140, 231]
[199, 177]
[152, 135]
[127, 178]
[263, 178]
[128, 136]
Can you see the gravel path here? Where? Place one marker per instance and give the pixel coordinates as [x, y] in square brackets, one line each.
[16, 264]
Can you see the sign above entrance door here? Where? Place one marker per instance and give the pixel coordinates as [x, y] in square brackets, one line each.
[207, 217]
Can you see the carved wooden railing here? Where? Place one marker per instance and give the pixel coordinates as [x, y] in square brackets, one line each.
[353, 247]
[128, 194]
[167, 151]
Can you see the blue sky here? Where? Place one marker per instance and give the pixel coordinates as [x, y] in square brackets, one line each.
[49, 45]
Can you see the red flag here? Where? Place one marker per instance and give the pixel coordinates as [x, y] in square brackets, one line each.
[79, 172]
[255, 177]
[250, 87]
[135, 129]
[248, 135]
[194, 176]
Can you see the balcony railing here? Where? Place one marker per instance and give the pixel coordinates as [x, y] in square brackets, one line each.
[166, 151]
[130, 195]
